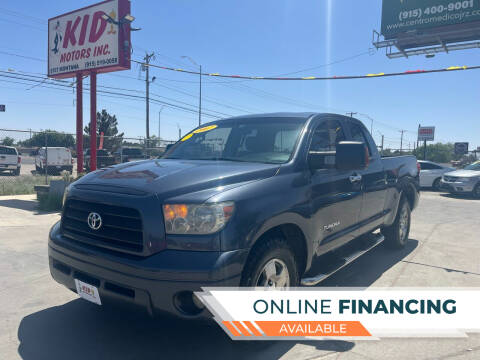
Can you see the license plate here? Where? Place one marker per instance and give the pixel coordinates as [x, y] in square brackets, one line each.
[88, 292]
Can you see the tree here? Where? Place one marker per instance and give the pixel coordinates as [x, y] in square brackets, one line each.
[54, 139]
[7, 141]
[106, 124]
[440, 153]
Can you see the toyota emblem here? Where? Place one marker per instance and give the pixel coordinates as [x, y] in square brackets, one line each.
[94, 221]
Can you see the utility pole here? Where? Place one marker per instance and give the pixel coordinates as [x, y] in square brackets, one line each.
[381, 147]
[147, 84]
[401, 141]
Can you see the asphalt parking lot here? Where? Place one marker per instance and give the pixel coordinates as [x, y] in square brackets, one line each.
[42, 320]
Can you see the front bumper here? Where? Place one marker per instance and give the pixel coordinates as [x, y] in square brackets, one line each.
[150, 283]
[458, 186]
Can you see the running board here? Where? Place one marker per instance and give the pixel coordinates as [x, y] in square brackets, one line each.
[344, 261]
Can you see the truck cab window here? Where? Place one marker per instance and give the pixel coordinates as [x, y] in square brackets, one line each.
[327, 135]
[325, 138]
[359, 135]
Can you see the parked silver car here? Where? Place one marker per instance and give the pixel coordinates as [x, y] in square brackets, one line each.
[466, 180]
[431, 174]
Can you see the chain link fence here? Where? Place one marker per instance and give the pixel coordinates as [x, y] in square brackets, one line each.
[32, 157]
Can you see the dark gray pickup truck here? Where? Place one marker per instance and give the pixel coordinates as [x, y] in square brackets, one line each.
[274, 200]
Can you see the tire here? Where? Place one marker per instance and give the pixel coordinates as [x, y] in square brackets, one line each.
[396, 235]
[436, 185]
[476, 191]
[274, 251]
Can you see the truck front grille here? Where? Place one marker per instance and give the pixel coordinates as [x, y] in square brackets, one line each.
[121, 227]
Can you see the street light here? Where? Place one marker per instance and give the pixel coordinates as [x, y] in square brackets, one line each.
[200, 90]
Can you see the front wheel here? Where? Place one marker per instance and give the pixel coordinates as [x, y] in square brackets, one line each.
[476, 191]
[436, 185]
[271, 265]
[396, 235]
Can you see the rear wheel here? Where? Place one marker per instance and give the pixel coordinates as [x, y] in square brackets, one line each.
[271, 264]
[396, 235]
[436, 185]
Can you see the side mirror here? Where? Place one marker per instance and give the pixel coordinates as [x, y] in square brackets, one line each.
[351, 155]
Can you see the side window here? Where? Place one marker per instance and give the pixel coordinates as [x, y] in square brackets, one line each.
[325, 139]
[358, 135]
[426, 166]
[327, 135]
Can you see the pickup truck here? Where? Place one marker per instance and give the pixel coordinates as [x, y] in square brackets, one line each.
[104, 159]
[10, 160]
[257, 201]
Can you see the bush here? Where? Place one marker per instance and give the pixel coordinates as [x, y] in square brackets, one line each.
[50, 202]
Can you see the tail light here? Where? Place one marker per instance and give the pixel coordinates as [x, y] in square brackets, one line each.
[418, 167]
[72, 161]
[19, 159]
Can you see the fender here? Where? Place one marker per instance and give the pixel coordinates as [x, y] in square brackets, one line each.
[404, 185]
[287, 218]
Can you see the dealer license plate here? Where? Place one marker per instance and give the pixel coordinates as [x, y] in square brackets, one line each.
[88, 292]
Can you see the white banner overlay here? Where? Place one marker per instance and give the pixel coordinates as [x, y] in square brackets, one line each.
[344, 313]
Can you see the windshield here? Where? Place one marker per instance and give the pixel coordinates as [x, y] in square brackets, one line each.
[475, 166]
[265, 140]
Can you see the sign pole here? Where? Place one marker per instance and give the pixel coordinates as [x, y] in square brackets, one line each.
[93, 121]
[424, 149]
[79, 123]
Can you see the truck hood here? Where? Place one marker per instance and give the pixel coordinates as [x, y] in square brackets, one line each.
[170, 178]
[464, 173]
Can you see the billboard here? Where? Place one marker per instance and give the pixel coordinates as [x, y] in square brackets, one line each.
[83, 40]
[461, 148]
[426, 133]
[402, 16]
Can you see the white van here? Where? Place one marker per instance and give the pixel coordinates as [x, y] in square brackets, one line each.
[54, 159]
[9, 160]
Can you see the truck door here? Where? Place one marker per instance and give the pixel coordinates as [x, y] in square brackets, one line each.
[372, 179]
[335, 199]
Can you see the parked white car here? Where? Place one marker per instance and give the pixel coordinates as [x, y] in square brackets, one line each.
[9, 160]
[54, 159]
[431, 174]
[464, 181]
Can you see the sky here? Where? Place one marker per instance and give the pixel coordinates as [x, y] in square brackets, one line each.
[260, 38]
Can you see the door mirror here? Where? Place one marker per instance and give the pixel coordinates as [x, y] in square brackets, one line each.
[351, 155]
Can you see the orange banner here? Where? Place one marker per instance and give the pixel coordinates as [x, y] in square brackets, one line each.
[297, 328]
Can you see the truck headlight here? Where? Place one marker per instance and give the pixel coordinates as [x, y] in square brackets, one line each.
[198, 219]
[65, 194]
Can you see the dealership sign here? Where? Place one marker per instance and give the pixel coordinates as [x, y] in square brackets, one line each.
[89, 39]
[343, 313]
[461, 148]
[401, 16]
[426, 133]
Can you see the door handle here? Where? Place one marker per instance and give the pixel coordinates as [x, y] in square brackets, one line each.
[355, 178]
